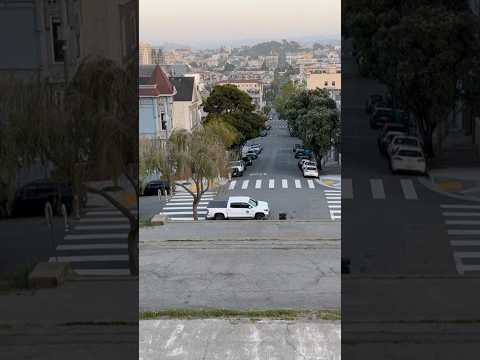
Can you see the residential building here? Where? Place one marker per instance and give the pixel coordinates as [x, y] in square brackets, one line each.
[331, 81]
[145, 54]
[271, 61]
[53, 37]
[176, 69]
[254, 88]
[156, 97]
[187, 103]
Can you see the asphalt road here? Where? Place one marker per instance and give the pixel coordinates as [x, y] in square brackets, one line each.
[396, 225]
[274, 177]
[27, 240]
[240, 274]
[149, 206]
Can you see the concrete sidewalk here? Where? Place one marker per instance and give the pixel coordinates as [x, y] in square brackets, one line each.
[239, 339]
[243, 230]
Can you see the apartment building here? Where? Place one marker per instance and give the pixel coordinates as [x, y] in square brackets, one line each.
[331, 81]
[187, 103]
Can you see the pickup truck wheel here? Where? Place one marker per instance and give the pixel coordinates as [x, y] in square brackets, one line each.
[259, 216]
[219, 217]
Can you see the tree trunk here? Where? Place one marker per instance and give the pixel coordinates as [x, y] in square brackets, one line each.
[426, 130]
[194, 208]
[133, 253]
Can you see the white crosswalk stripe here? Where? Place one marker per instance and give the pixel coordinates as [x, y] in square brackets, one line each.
[408, 189]
[374, 188]
[334, 201]
[97, 244]
[298, 185]
[180, 207]
[271, 183]
[463, 232]
[378, 191]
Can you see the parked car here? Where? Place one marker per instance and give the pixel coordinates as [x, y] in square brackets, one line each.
[237, 167]
[297, 146]
[309, 163]
[389, 127]
[403, 140]
[154, 186]
[268, 127]
[385, 141]
[304, 154]
[31, 198]
[256, 147]
[238, 207]
[248, 160]
[408, 159]
[304, 162]
[310, 171]
[263, 133]
[251, 153]
[382, 115]
[373, 101]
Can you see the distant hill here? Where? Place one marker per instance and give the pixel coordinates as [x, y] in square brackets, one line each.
[173, 46]
[303, 40]
[268, 48]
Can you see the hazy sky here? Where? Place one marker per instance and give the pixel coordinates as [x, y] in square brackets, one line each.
[193, 22]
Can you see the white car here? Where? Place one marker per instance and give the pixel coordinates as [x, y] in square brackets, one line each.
[403, 140]
[387, 139]
[310, 171]
[256, 147]
[238, 207]
[309, 163]
[408, 158]
[237, 167]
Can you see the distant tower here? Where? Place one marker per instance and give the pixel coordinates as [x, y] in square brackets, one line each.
[157, 56]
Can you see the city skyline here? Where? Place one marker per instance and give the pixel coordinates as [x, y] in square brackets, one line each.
[201, 26]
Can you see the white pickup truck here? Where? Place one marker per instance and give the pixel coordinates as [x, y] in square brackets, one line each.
[238, 207]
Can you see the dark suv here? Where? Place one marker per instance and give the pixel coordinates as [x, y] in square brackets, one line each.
[154, 186]
[31, 198]
[387, 115]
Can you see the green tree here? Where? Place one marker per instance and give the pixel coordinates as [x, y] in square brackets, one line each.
[229, 105]
[287, 90]
[227, 99]
[199, 156]
[314, 118]
[93, 135]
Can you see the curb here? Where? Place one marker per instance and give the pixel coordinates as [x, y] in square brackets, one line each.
[431, 186]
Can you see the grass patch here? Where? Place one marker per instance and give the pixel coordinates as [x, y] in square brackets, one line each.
[280, 314]
[18, 279]
[99, 323]
[145, 222]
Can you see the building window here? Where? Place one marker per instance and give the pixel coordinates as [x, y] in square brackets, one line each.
[57, 42]
[333, 83]
[163, 121]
